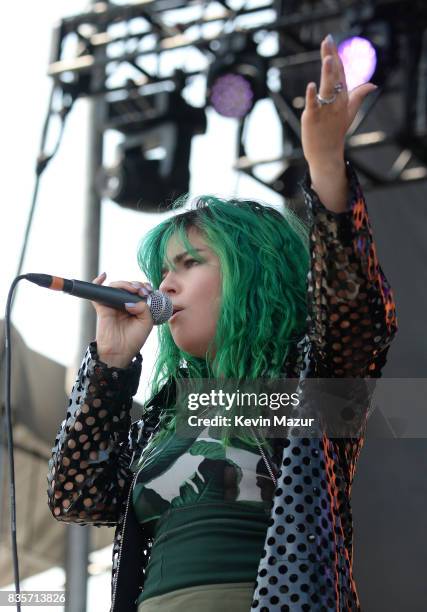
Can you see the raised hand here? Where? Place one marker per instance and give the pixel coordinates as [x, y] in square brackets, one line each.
[324, 123]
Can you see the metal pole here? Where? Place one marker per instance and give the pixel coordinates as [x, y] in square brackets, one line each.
[78, 537]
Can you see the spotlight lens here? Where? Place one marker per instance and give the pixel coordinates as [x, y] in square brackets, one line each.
[360, 60]
[232, 95]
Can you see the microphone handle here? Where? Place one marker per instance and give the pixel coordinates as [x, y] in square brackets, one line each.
[160, 305]
[107, 296]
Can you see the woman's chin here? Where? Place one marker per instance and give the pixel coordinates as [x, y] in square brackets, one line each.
[192, 348]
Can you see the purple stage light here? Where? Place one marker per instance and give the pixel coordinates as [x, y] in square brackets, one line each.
[359, 58]
[232, 95]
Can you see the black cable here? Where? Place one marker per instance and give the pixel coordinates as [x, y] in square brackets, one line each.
[43, 160]
[9, 431]
[39, 171]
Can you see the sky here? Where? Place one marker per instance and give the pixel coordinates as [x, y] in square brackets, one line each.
[49, 321]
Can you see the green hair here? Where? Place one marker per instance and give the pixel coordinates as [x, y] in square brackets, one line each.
[264, 260]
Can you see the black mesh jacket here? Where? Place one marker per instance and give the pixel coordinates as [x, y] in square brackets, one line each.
[307, 559]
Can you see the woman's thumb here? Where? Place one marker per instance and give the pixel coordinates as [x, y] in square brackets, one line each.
[357, 95]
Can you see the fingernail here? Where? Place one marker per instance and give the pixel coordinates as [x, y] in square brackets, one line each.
[143, 291]
[330, 39]
[130, 305]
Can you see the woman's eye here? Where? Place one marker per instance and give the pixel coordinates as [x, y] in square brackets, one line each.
[189, 262]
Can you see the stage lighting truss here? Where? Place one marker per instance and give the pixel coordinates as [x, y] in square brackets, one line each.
[139, 49]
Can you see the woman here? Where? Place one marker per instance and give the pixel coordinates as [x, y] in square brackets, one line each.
[242, 523]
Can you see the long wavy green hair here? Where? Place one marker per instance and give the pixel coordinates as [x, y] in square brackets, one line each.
[264, 260]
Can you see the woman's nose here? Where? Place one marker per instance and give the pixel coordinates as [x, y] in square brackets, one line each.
[169, 284]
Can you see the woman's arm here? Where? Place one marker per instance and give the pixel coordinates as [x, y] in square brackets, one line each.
[352, 317]
[89, 470]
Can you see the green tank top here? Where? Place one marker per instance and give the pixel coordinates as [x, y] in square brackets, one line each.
[207, 506]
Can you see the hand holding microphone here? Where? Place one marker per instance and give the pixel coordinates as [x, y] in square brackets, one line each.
[126, 313]
[121, 335]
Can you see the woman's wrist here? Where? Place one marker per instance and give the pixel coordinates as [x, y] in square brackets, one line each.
[329, 164]
[329, 181]
[112, 359]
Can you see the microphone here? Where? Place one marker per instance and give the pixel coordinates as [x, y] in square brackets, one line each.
[160, 305]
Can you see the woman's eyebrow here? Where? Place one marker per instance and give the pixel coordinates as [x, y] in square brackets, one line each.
[179, 257]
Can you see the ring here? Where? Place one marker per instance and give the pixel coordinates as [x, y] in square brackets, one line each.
[323, 101]
[338, 88]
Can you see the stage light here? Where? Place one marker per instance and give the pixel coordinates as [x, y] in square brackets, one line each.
[359, 58]
[153, 161]
[237, 77]
[368, 52]
[142, 182]
[232, 95]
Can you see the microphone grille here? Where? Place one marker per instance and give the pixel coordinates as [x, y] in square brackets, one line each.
[160, 306]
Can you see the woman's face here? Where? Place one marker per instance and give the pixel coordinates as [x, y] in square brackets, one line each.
[195, 290]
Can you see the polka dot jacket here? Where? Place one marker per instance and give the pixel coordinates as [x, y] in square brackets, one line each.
[306, 563]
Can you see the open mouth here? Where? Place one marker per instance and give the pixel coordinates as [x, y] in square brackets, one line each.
[175, 311]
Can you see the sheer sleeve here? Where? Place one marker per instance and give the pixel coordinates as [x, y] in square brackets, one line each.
[89, 469]
[307, 559]
[352, 317]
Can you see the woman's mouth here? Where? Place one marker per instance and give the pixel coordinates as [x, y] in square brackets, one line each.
[176, 311]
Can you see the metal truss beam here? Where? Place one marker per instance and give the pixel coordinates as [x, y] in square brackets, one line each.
[171, 25]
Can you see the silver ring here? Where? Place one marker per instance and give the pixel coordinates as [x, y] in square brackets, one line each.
[339, 87]
[324, 101]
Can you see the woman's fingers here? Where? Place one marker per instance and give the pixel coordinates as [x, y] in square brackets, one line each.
[326, 78]
[357, 96]
[98, 280]
[332, 75]
[329, 77]
[332, 70]
[328, 115]
[340, 66]
[132, 286]
[137, 309]
[311, 103]
[142, 289]
[140, 311]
